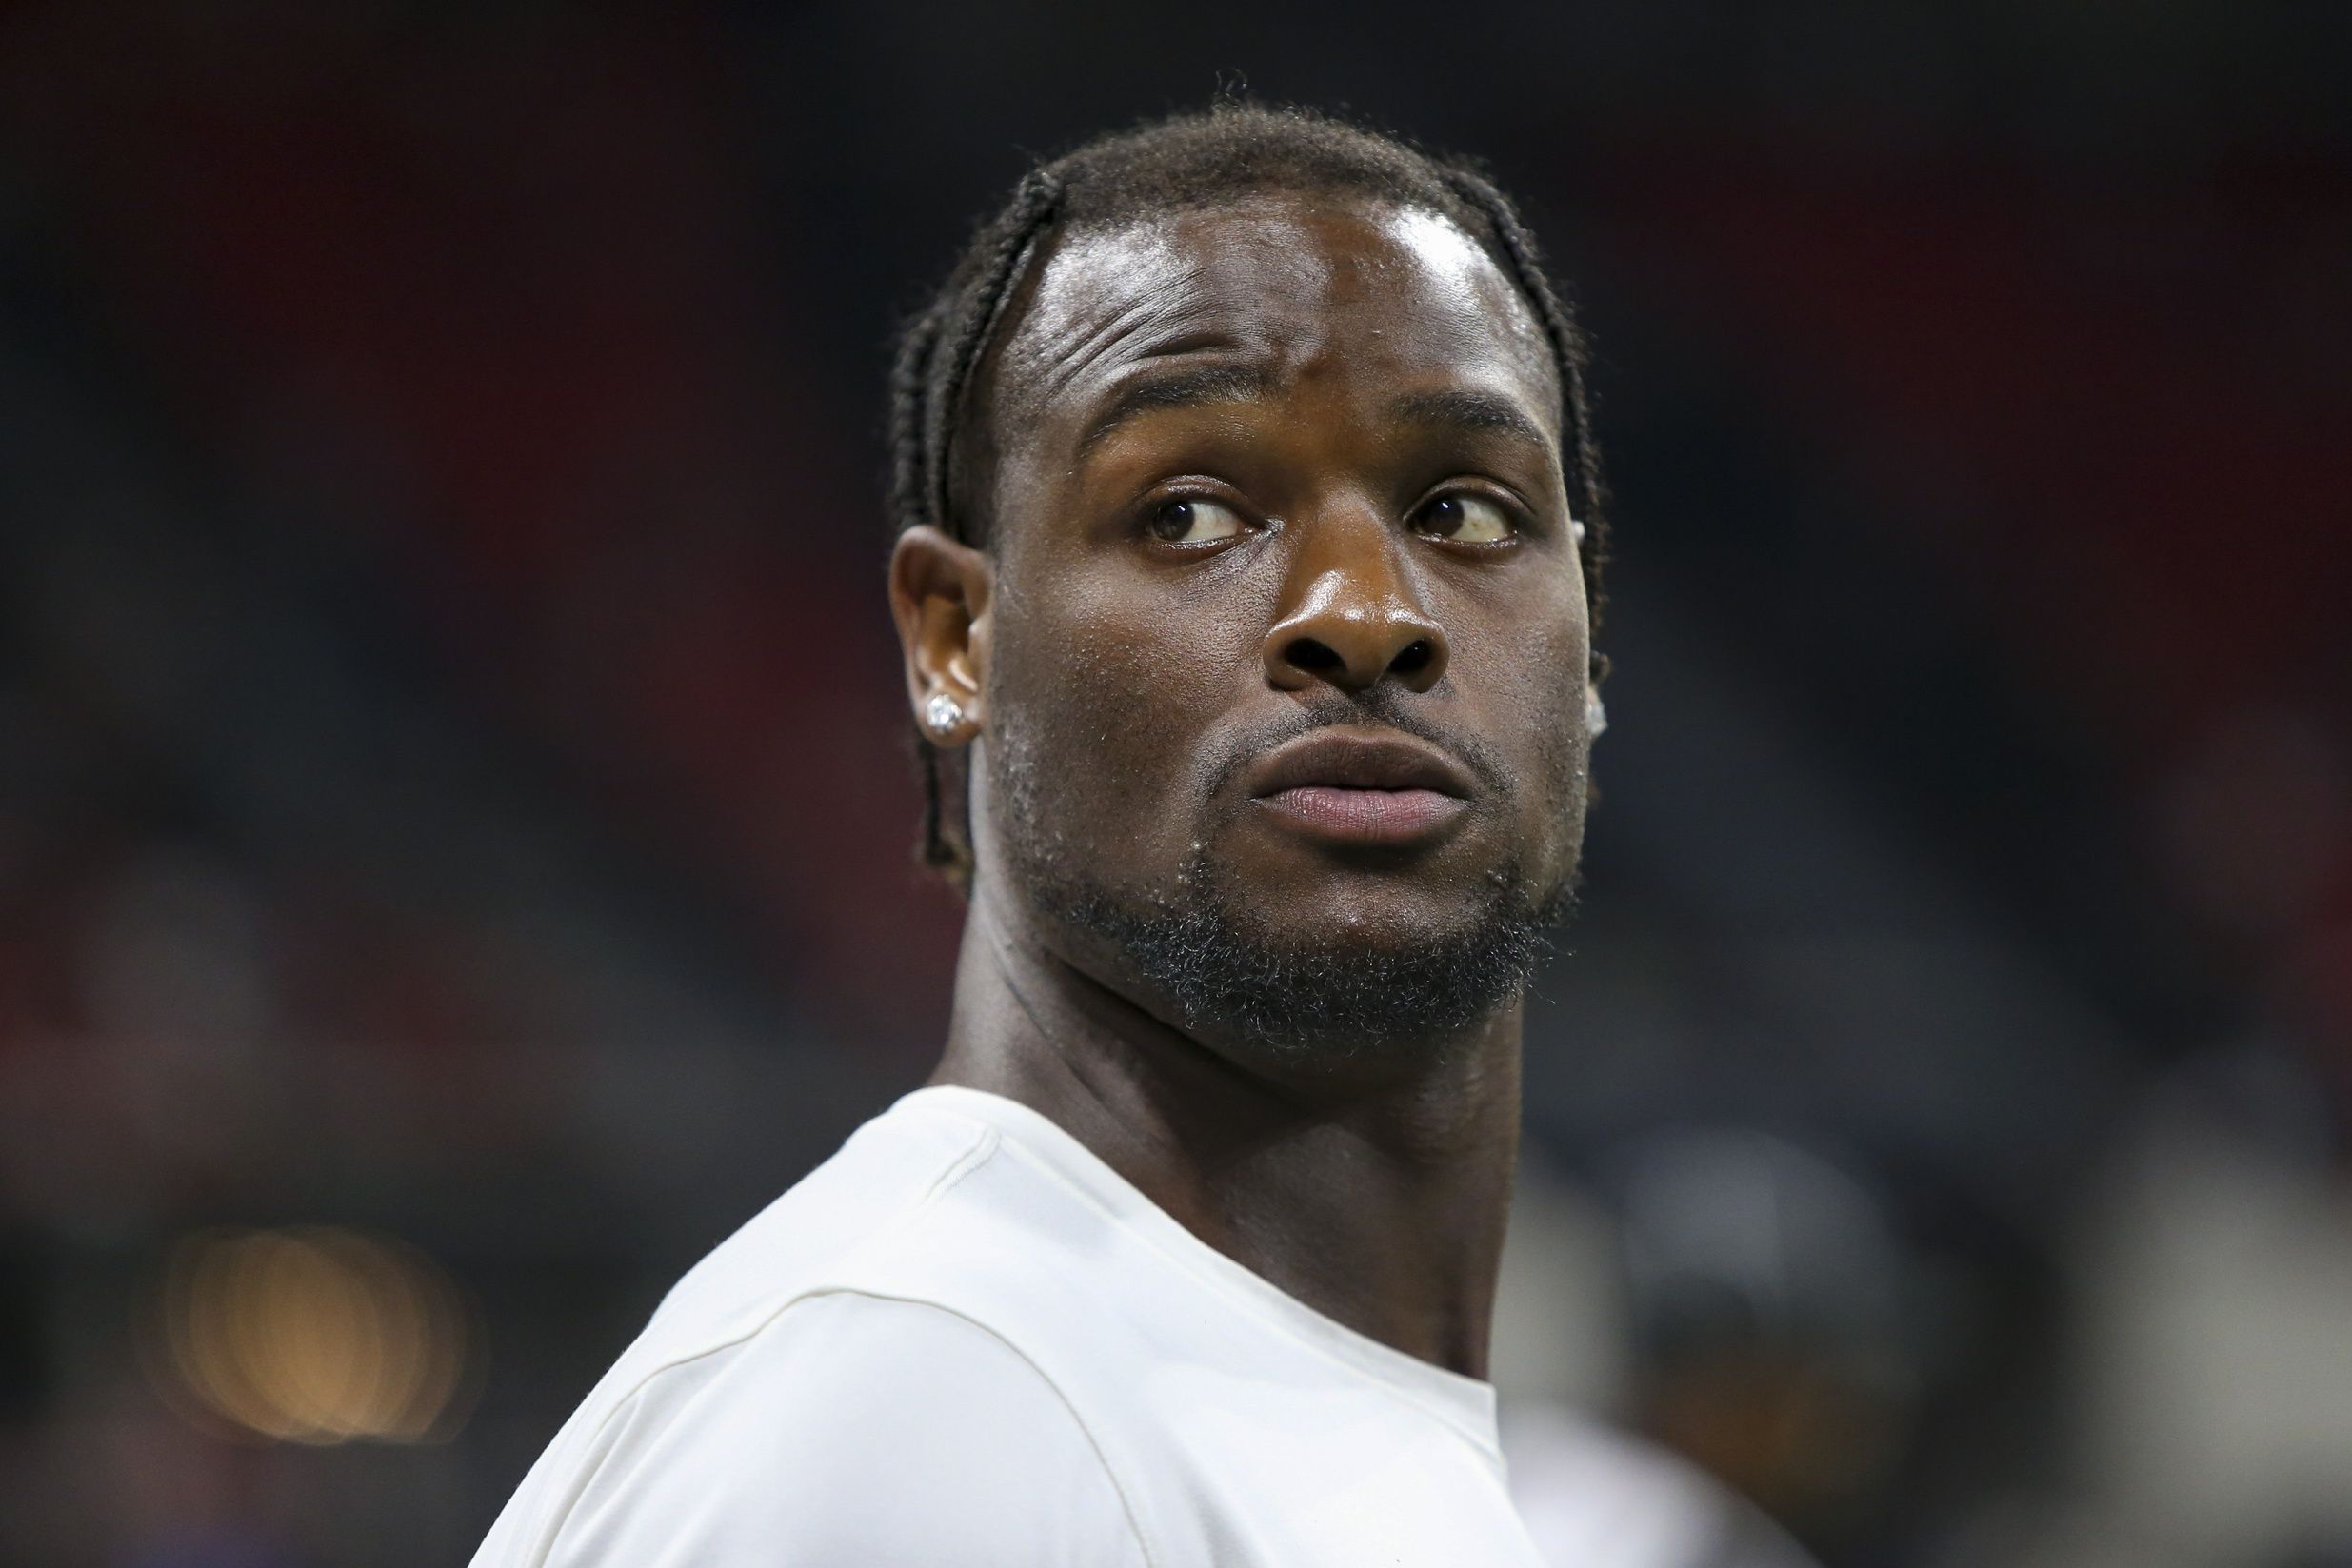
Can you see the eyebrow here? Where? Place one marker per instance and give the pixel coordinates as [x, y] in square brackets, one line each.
[1202, 386]
[1193, 386]
[1471, 411]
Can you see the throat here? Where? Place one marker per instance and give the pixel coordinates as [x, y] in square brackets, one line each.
[1383, 1210]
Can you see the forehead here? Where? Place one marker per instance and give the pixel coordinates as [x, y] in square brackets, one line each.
[1310, 284]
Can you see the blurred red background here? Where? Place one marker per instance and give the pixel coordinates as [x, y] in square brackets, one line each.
[454, 782]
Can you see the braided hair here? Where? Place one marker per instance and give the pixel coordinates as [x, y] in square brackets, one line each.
[937, 474]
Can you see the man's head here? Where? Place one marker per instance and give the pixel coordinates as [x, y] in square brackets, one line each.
[1249, 531]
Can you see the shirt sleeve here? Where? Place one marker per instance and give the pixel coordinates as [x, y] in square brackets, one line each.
[855, 1429]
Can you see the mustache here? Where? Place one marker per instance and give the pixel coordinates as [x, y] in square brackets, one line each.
[1375, 706]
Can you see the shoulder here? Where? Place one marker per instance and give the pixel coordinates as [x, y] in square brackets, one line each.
[853, 1427]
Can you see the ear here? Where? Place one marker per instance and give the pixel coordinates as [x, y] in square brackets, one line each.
[939, 591]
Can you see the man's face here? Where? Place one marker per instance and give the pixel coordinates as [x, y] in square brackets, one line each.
[1284, 668]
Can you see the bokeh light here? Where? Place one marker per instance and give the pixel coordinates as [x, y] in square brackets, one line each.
[313, 1335]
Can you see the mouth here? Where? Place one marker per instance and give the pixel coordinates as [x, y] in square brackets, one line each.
[1350, 787]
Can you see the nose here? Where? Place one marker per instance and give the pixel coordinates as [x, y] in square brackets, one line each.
[1351, 613]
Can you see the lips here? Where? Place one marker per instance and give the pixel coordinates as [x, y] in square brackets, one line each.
[1351, 787]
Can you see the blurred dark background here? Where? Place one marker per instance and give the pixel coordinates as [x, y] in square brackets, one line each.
[456, 814]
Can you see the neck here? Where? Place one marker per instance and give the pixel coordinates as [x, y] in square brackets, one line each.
[1380, 1207]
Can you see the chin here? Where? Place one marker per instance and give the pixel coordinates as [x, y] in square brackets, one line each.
[1360, 914]
[1363, 971]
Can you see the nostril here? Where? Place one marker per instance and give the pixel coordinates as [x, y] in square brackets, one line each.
[1413, 657]
[1315, 658]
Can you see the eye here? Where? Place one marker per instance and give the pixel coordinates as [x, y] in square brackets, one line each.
[1465, 518]
[1195, 520]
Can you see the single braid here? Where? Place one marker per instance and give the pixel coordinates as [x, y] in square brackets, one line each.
[1023, 218]
[911, 374]
[928, 385]
[1568, 353]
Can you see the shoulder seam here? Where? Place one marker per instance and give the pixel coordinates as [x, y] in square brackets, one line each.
[984, 1142]
[983, 1146]
[1110, 1473]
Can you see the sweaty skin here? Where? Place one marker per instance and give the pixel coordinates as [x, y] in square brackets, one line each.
[1287, 463]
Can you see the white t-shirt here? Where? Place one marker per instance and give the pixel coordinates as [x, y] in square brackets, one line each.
[964, 1342]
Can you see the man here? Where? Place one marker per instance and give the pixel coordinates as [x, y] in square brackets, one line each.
[1249, 522]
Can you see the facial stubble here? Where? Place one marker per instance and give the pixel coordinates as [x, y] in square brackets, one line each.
[1305, 995]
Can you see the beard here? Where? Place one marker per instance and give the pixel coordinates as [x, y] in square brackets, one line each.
[1227, 977]
[1287, 995]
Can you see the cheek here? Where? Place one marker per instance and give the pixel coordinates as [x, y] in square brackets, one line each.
[1534, 661]
[1110, 686]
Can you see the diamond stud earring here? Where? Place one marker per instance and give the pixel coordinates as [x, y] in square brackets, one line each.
[941, 713]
